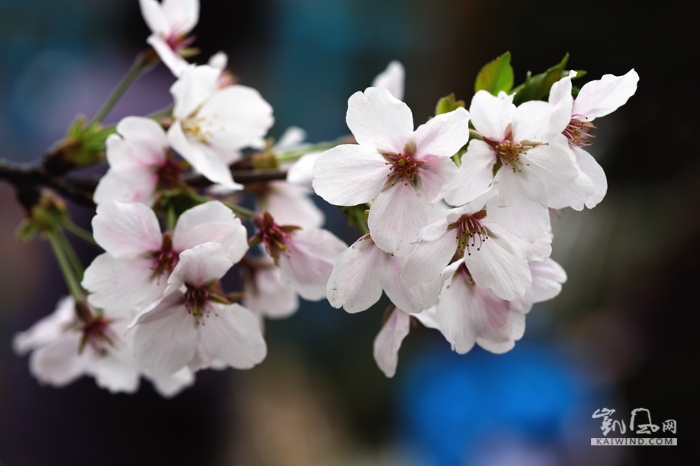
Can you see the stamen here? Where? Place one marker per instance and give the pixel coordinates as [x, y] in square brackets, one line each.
[471, 234]
[165, 259]
[402, 167]
[578, 132]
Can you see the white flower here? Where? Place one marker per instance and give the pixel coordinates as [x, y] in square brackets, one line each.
[138, 163]
[265, 294]
[363, 271]
[305, 257]
[190, 326]
[170, 22]
[596, 99]
[133, 271]
[212, 124]
[392, 79]
[399, 169]
[534, 169]
[290, 204]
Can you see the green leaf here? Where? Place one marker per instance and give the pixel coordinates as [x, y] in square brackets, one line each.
[448, 104]
[495, 76]
[537, 87]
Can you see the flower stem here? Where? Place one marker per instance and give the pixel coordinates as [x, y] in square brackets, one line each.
[64, 265]
[72, 256]
[238, 210]
[142, 61]
[293, 155]
[80, 233]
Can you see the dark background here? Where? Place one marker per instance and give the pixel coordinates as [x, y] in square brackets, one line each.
[621, 335]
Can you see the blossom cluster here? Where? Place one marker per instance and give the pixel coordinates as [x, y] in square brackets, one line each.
[455, 217]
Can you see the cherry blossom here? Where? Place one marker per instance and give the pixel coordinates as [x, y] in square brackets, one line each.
[400, 170]
[265, 294]
[170, 22]
[392, 79]
[133, 271]
[525, 154]
[193, 325]
[305, 257]
[212, 125]
[139, 163]
[596, 99]
[361, 273]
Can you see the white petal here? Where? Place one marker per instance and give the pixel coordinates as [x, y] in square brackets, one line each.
[307, 263]
[491, 115]
[202, 264]
[392, 79]
[175, 63]
[474, 176]
[266, 295]
[301, 173]
[388, 341]
[155, 17]
[182, 14]
[396, 218]
[429, 259]
[58, 363]
[233, 336]
[590, 168]
[602, 97]
[434, 174]
[411, 299]
[457, 302]
[126, 230]
[116, 371]
[498, 326]
[349, 175]
[379, 121]
[46, 329]
[290, 204]
[237, 117]
[122, 284]
[290, 139]
[442, 135]
[497, 269]
[196, 85]
[166, 336]
[146, 140]
[537, 121]
[211, 222]
[172, 384]
[202, 157]
[126, 186]
[354, 283]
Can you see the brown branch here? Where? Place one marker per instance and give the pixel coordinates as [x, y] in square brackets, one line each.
[24, 176]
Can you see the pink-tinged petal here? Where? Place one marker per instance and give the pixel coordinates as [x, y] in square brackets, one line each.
[602, 97]
[428, 317]
[126, 230]
[200, 265]
[46, 329]
[497, 269]
[396, 217]
[592, 169]
[182, 14]
[429, 259]
[560, 92]
[434, 231]
[443, 135]
[290, 204]
[350, 175]
[155, 17]
[211, 222]
[233, 335]
[202, 157]
[388, 341]
[175, 63]
[58, 363]
[392, 79]
[116, 371]
[121, 155]
[236, 117]
[457, 302]
[266, 295]
[146, 138]
[537, 121]
[171, 384]
[491, 115]
[196, 85]
[127, 186]
[547, 280]
[434, 174]
[554, 164]
[411, 299]
[521, 204]
[535, 250]
[498, 326]
[122, 284]
[355, 281]
[301, 173]
[307, 263]
[166, 336]
[474, 177]
[378, 120]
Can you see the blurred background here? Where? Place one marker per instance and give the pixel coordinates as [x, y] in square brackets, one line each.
[621, 335]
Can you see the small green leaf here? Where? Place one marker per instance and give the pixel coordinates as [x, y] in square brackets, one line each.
[537, 87]
[495, 76]
[26, 231]
[448, 104]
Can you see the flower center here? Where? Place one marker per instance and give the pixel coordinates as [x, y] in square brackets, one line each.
[169, 175]
[177, 41]
[99, 335]
[272, 235]
[196, 298]
[470, 232]
[578, 132]
[402, 167]
[164, 260]
[200, 128]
